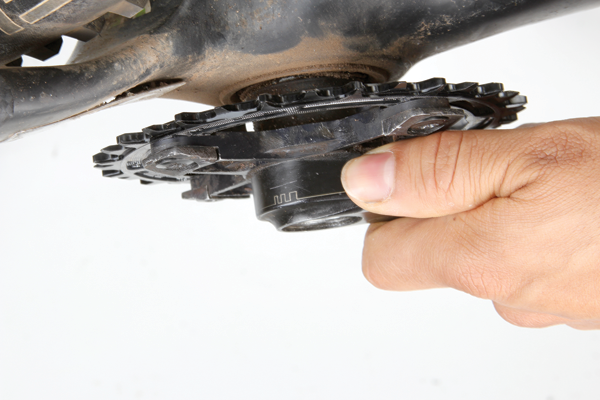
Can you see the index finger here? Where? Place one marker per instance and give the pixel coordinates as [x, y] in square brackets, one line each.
[415, 254]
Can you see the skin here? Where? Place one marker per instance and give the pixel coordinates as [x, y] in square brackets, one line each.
[510, 216]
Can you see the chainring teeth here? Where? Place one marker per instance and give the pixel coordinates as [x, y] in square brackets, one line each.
[502, 108]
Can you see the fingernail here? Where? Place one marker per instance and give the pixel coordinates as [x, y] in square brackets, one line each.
[370, 178]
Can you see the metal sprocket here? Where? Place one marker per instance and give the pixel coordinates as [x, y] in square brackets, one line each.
[223, 157]
[485, 106]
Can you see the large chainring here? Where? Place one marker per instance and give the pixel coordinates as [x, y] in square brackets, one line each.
[220, 152]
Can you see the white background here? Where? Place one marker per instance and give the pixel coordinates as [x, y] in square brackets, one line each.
[113, 290]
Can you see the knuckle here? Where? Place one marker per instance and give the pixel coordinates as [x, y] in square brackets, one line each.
[560, 144]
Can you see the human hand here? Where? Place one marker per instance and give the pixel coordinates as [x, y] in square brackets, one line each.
[511, 216]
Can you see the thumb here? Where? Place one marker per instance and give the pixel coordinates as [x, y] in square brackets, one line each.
[441, 174]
